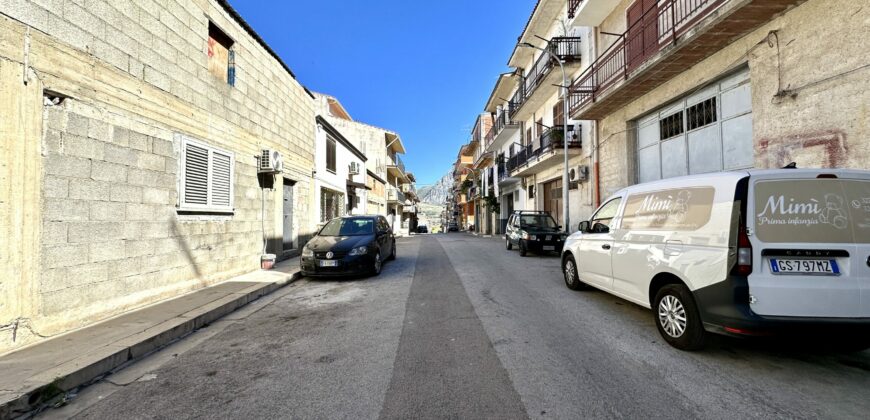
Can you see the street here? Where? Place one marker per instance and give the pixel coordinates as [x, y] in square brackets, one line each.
[459, 327]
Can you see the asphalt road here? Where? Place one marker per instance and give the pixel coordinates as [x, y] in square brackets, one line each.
[459, 327]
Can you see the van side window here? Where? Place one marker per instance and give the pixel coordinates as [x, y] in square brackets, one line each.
[602, 218]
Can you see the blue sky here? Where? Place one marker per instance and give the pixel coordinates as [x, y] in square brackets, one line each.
[421, 68]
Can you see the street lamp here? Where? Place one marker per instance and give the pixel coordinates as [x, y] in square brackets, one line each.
[565, 179]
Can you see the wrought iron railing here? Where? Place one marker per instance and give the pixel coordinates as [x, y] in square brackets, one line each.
[566, 49]
[656, 27]
[393, 194]
[397, 162]
[572, 8]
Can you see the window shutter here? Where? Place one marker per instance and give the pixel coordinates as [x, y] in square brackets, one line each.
[221, 176]
[195, 175]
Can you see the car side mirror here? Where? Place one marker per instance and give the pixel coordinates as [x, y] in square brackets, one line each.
[583, 226]
[559, 227]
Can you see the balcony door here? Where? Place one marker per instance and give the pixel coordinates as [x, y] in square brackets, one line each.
[642, 37]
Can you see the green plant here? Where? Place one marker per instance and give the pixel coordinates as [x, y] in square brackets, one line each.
[466, 185]
[491, 203]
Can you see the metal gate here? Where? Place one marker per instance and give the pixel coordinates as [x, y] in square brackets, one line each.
[707, 131]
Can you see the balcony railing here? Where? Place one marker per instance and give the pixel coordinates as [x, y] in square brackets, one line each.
[397, 162]
[572, 7]
[565, 48]
[551, 139]
[656, 27]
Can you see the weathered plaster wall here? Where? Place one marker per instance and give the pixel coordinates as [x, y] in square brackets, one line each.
[109, 236]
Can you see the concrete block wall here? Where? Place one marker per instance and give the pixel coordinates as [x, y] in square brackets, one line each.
[817, 120]
[108, 237]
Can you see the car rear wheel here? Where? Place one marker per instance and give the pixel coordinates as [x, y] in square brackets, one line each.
[676, 316]
[572, 279]
[507, 244]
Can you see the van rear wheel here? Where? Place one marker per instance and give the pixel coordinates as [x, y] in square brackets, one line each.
[676, 316]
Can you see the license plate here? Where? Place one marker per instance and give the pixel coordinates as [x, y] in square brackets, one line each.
[549, 248]
[803, 266]
[328, 263]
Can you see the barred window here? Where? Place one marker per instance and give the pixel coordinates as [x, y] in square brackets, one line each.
[206, 183]
[701, 114]
[671, 126]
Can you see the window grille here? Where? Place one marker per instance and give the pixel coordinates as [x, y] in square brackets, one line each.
[671, 126]
[701, 114]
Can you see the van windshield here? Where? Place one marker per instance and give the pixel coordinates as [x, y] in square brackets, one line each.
[813, 210]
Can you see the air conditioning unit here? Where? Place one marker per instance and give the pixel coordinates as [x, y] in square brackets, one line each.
[354, 168]
[270, 162]
[580, 173]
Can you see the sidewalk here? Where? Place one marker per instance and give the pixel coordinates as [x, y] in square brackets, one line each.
[36, 374]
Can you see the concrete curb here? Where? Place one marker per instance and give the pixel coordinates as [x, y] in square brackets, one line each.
[48, 385]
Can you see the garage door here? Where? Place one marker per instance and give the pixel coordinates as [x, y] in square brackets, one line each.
[707, 131]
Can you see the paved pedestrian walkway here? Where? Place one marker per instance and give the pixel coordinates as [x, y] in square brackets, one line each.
[36, 374]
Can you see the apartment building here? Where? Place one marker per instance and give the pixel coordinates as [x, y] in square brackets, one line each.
[687, 87]
[134, 169]
[528, 136]
[340, 180]
[384, 165]
[463, 184]
[483, 194]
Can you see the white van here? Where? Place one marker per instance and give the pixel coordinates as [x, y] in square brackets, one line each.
[740, 253]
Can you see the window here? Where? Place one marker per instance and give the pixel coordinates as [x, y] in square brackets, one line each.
[331, 204]
[531, 191]
[221, 56]
[701, 114]
[671, 126]
[206, 178]
[602, 218]
[330, 154]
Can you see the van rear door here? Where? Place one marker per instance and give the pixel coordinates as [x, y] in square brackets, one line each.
[810, 236]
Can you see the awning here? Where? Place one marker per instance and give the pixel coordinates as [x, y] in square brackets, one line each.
[357, 185]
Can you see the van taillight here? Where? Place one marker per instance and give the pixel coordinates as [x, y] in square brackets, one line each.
[744, 252]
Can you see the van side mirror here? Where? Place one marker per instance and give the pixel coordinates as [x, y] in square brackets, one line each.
[583, 226]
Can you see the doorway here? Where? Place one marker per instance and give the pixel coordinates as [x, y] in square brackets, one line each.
[288, 215]
[553, 199]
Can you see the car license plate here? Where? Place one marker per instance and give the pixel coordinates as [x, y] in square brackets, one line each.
[549, 248]
[804, 266]
[328, 263]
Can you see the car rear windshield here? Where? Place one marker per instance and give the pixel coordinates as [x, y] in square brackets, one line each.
[537, 221]
[348, 227]
[813, 210]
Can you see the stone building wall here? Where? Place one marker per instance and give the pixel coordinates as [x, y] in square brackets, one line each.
[131, 80]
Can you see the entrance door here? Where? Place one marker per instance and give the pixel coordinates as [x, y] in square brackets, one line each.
[288, 215]
[553, 199]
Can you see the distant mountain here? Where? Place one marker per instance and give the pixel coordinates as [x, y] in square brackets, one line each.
[437, 193]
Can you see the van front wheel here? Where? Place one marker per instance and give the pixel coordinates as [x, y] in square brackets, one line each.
[676, 316]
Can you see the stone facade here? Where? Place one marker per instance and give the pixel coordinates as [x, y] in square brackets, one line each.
[106, 92]
[809, 88]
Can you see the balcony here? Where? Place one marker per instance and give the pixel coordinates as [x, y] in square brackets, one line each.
[396, 167]
[665, 40]
[540, 82]
[503, 129]
[544, 153]
[394, 195]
